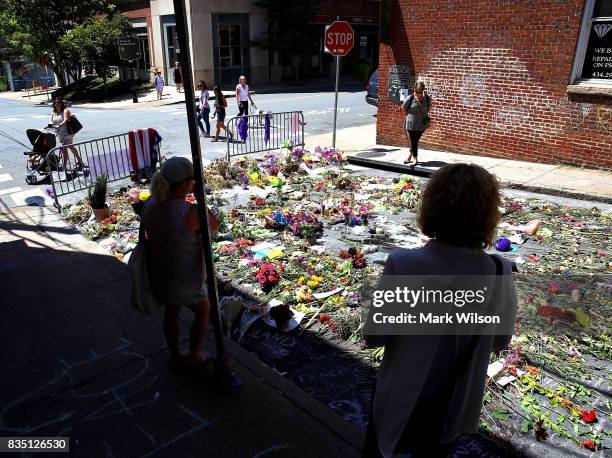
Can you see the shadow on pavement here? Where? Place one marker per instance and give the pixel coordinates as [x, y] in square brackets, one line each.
[81, 363]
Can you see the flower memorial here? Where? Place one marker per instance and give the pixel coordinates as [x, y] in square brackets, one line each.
[551, 386]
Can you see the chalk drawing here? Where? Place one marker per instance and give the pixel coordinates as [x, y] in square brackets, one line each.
[473, 90]
[118, 404]
[201, 424]
[509, 118]
[484, 79]
[604, 120]
[350, 411]
[271, 449]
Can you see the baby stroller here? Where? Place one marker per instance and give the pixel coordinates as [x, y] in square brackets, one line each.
[38, 165]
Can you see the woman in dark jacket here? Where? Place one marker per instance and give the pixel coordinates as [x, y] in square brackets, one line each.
[429, 388]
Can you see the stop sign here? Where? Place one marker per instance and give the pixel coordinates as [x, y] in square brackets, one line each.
[339, 38]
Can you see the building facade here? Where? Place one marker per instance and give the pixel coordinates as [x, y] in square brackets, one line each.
[508, 78]
[220, 33]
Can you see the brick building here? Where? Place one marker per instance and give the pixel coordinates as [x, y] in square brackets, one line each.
[509, 78]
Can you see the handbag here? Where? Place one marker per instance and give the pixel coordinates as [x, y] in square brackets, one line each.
[142, 298]
[73, 125]
[426, 121]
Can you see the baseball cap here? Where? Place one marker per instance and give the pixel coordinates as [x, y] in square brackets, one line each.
[177, 169]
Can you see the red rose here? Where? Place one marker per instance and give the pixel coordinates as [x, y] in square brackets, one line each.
[588, 416]
[589, 444]
[261, 278]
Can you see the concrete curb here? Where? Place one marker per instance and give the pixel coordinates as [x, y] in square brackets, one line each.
[348, 433]
[426, 173]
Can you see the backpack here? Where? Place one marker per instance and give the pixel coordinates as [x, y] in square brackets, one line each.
[410, 99]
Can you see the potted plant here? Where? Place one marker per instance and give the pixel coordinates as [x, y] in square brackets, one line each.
[97, 198]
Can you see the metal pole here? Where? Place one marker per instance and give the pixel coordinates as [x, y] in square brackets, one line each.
[336, 96]
[134, 97]
[336, 100]
[227, 379]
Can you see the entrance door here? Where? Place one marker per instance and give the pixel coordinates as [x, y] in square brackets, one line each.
[172, 51]
[231, 48]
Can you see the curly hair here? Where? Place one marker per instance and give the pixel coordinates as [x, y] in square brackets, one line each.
[460, 206]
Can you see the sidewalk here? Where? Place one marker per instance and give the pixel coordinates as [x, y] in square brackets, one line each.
[171, 97]
[82, 364]
[359, 143]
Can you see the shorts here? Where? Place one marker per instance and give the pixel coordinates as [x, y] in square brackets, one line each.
[220, 115]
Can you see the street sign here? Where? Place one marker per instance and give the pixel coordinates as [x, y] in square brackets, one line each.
[129, 48]
[339, 38]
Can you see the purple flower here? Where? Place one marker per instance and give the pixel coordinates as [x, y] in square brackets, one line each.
[267, 128]
[50, 192]
[86, 172]
[243, 128]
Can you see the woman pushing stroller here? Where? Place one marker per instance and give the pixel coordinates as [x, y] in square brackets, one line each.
[59, 119]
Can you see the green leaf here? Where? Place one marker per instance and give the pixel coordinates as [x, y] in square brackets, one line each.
[501, 414]
[525, 427]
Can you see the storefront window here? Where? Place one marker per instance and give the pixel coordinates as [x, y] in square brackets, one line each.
[593, 62]
[230, 53]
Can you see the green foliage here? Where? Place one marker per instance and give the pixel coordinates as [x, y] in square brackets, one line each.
[288, 23]
[34, 28]
[93, 89]
[95, 43]
[97, 196]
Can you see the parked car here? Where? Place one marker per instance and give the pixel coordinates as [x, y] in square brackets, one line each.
[372, 89]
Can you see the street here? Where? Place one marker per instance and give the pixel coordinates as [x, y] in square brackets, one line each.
[169, 121]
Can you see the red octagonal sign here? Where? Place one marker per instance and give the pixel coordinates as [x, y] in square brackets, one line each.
[339, 38]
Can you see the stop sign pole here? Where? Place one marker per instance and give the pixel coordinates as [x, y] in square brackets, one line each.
[339, 39]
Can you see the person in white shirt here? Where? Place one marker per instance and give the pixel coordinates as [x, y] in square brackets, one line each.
[243, 95]
[204, 109]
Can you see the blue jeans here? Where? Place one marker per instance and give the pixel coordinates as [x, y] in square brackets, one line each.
[205, 115]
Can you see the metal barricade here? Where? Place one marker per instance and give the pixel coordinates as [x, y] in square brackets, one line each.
[265, 132]
[108, 156]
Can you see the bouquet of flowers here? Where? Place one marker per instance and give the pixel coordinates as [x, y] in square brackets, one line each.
[305, 225]
[357, 257]
[267, 276]
[276, 220]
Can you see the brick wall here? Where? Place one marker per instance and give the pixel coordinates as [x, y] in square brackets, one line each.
[497, 72]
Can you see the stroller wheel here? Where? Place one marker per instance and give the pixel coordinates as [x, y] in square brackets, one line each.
[31, 179]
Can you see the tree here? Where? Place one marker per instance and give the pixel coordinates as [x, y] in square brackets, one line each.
[288, 24]
[34, 27]
[95, 43]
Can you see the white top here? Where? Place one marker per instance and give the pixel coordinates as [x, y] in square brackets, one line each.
[243, 92]
[204, 98]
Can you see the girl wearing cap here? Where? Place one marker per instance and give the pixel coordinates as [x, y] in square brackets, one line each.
[177, 270]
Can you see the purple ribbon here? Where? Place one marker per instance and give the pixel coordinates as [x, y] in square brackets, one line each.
[243, 128]
[267, 127]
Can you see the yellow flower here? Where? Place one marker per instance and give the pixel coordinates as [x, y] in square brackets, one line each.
[300, 281]
[144, 195]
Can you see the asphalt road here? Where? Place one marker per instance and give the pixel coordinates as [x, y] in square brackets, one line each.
[171, 123]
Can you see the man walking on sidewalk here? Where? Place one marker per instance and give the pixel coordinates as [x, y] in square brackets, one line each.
[243, 95]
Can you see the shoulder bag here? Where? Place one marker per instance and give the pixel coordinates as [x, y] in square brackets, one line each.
[142, 298]
[73, 125]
